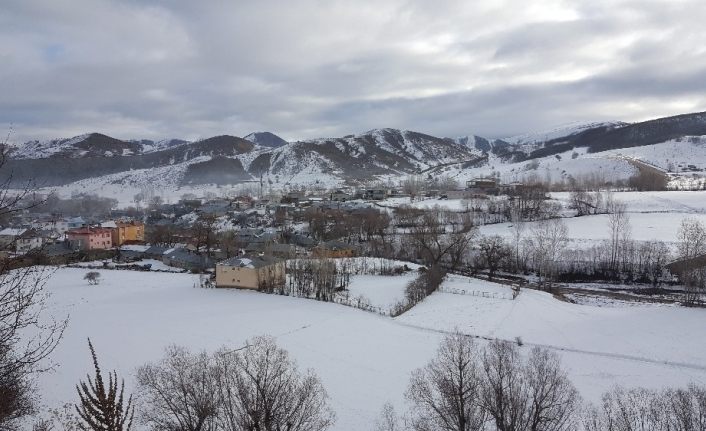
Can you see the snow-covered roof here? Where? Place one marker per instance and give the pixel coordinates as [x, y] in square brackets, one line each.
[11, 231]
[250, 261]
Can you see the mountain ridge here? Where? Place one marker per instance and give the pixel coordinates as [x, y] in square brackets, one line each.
[385, 152]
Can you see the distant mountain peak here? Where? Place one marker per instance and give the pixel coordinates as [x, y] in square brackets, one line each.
[266, 139]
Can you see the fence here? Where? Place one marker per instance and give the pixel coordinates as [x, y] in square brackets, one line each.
[479, 293]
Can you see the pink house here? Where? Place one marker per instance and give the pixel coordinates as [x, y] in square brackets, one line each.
[90, 238]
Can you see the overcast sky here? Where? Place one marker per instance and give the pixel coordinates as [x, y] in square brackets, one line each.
[303, 69]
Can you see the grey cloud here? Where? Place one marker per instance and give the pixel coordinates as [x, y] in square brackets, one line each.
[307, 69]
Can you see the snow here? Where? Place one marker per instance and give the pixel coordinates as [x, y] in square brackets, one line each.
[667, 201]
[156, 265]
[661, 336]
[363, 359]
[557, 132]
[587, 229]
[382, 291]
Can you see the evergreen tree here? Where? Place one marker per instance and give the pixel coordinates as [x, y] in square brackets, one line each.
[101, 408]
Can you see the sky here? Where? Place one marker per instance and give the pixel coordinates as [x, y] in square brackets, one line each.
[323, 68]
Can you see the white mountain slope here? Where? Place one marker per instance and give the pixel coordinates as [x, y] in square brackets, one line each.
[538, 137]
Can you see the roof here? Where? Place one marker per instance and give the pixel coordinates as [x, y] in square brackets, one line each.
[156, 249]
[11, 231]
[184, 255]
[336, 245]
[250, 261]
[87, 230]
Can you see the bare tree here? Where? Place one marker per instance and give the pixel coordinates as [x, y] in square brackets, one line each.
[446, 393]
[640, 409]
[691, 245]
[619, 225]
[103, 408]
[388, 420]
[493, 251]
[204, 232]
[626, 410]
[553, 399]
[260, 388]
[518, 229]
[532, 394]
[441, 237]
[93, 277]
[23, 303]
[180, 392]
[505, 396]
[549, 239]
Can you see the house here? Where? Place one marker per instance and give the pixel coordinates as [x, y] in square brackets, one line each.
[60, 225]
[302, 240]
[293, 197]
[250, 272]
[59, 253]
[186, 259]
[90, 238]
[334, 249]
[376, 194]
[484, 185]
[75, 222]
[20, 240]
[9, 235]
[30, 239]
[155, 252]
[128, 232]
[340, 196]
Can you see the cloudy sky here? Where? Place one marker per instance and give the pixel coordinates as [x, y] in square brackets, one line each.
[302, 69]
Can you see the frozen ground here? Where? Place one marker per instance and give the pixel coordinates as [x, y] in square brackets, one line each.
[363, 359]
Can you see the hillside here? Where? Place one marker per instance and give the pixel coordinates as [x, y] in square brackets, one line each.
[602, 149]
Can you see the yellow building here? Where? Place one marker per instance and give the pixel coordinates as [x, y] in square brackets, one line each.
[334, 249]
[128, 232]
[250, 272]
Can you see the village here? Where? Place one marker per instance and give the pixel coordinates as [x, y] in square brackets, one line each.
[221, 235]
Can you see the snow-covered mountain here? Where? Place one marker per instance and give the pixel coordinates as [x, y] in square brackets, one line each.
[90, 145]
[561, 132]
[265, 139]
[380, 154]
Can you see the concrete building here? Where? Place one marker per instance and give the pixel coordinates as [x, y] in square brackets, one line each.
[128, 232]
[334, 249]
[250, 272]
[90, 238]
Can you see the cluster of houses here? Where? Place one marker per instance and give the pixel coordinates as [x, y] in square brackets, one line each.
[73, 234]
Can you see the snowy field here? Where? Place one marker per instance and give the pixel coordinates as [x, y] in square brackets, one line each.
[667, 201]
[589, 229]
[363, 359]
[380, 291]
